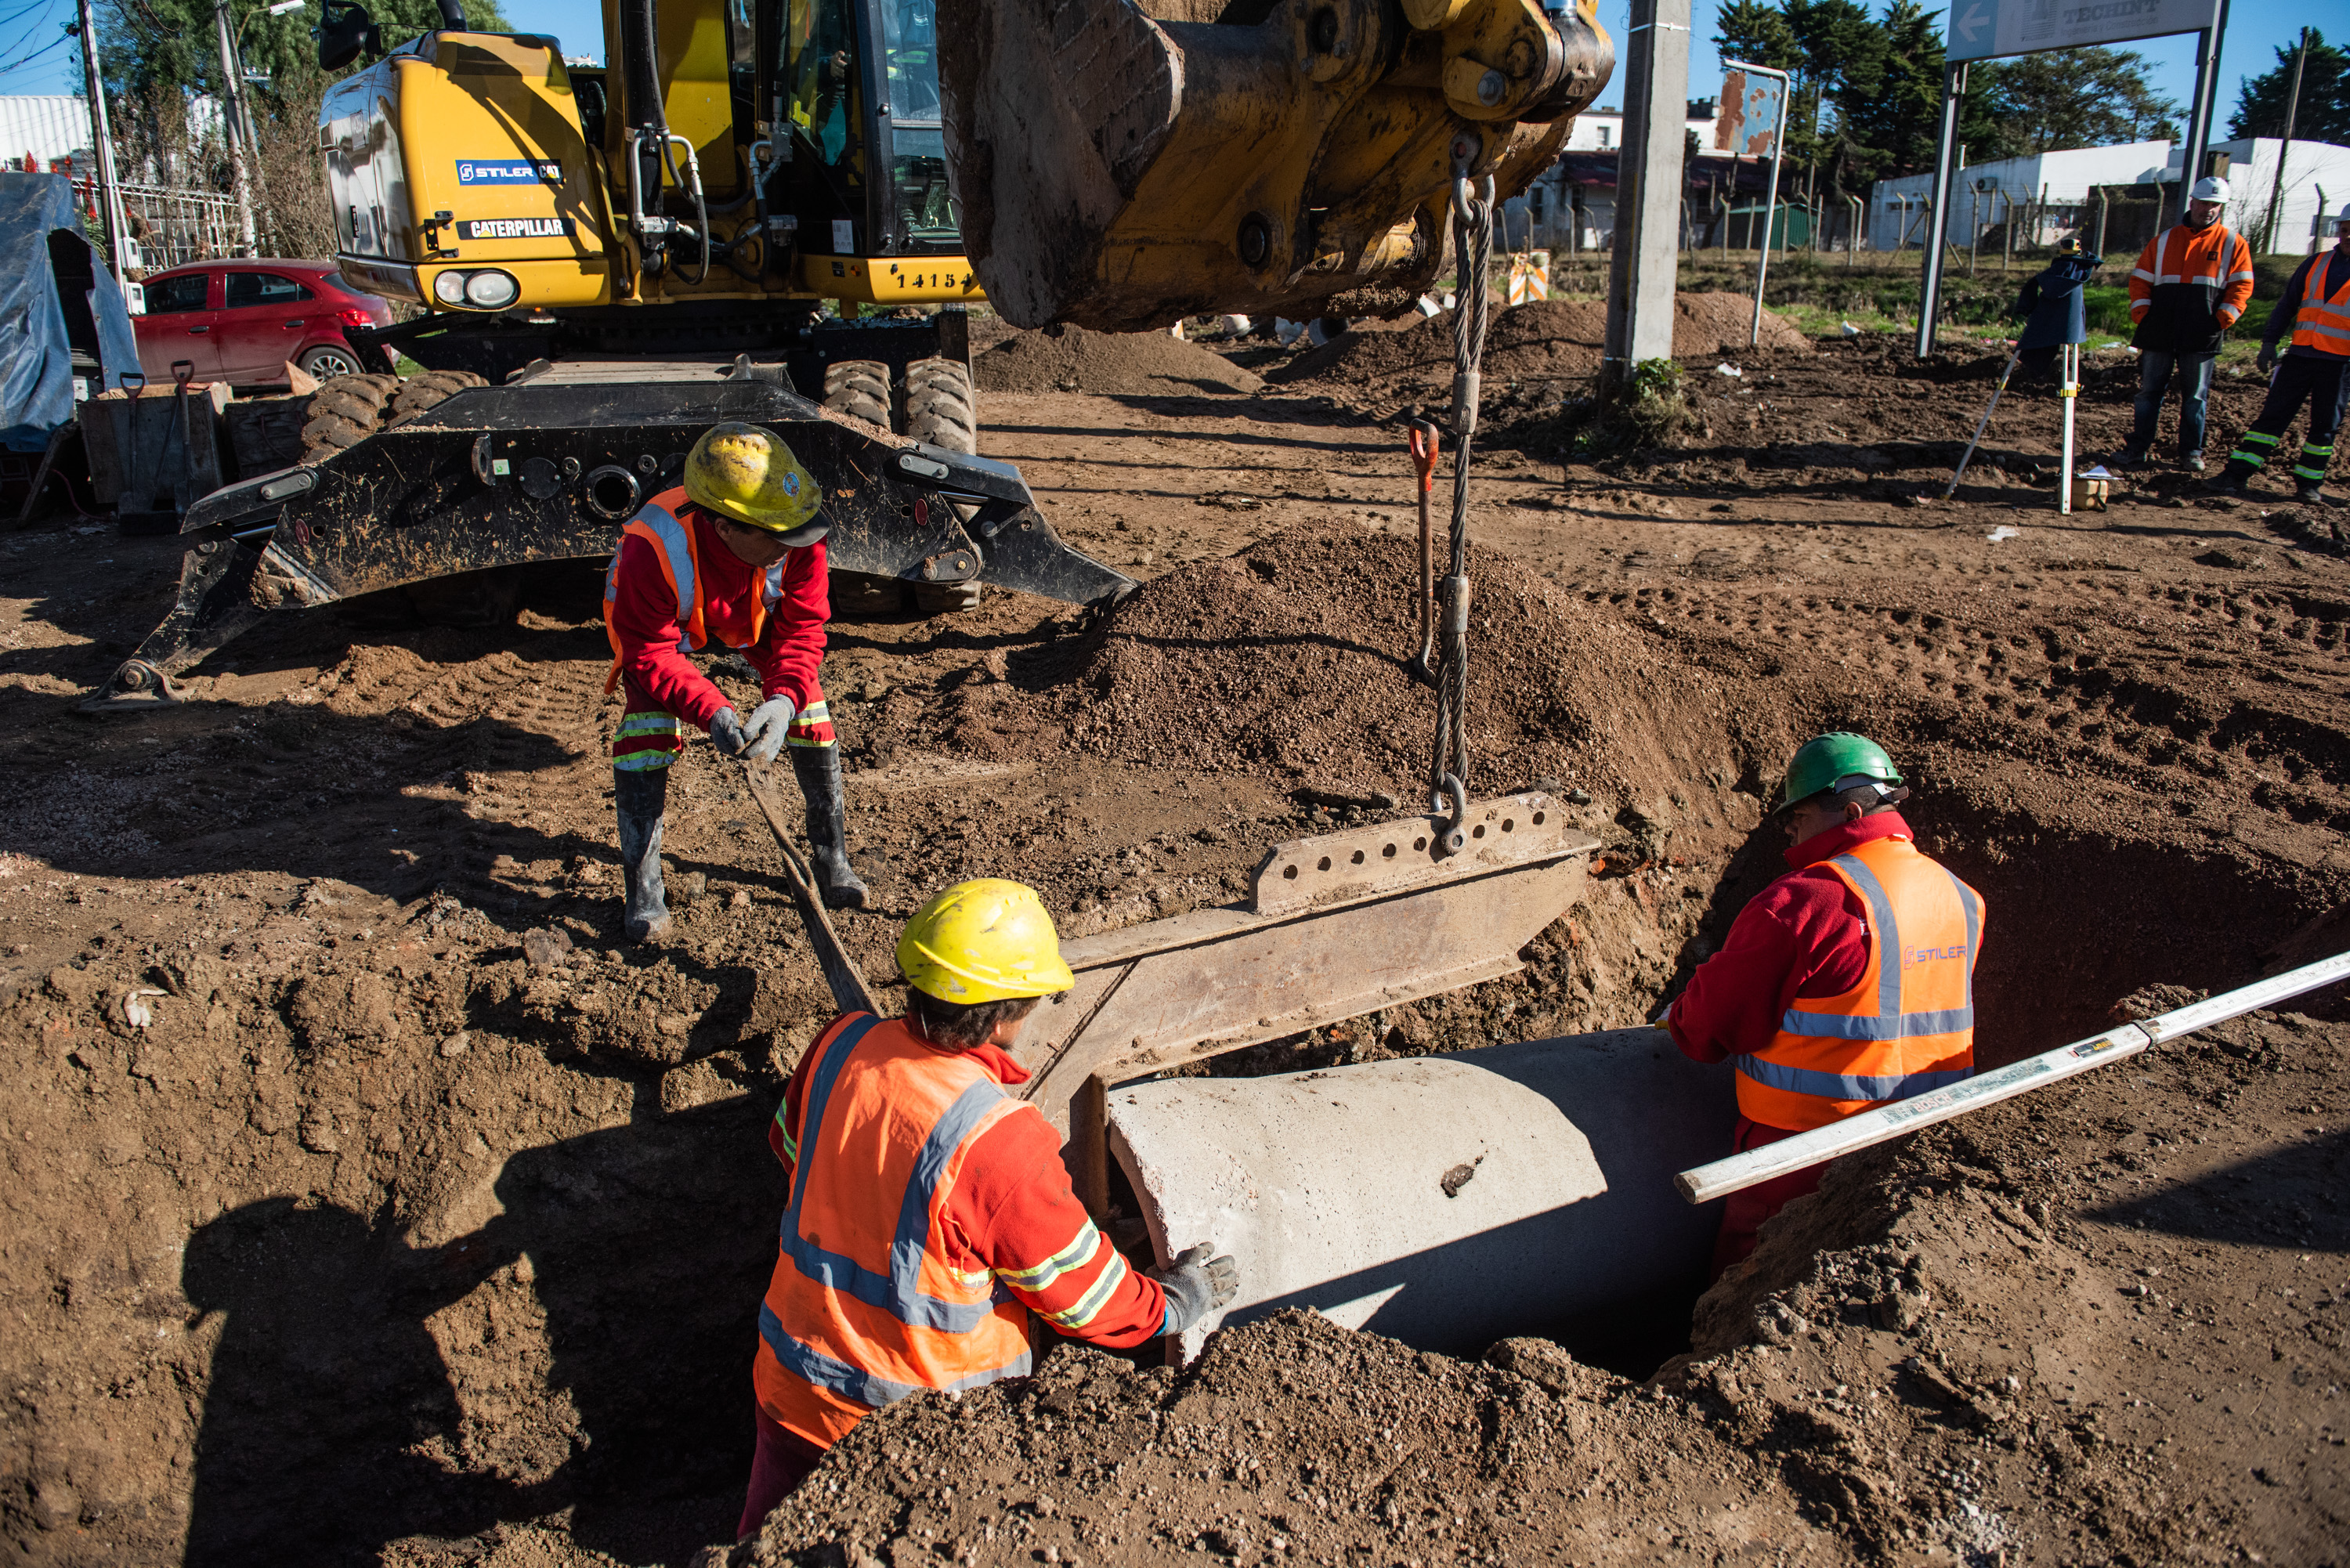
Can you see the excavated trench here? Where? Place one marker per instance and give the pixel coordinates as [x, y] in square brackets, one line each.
[393, 1225]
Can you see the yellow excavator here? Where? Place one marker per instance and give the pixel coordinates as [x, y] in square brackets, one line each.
[779, 211]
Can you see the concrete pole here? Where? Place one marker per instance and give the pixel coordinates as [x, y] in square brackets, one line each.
[1937, 210]
[232, 120]
[109, 187]
[2285, 149]
[1644, 269]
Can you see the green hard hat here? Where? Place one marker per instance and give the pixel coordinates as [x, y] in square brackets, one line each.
[1821, 761]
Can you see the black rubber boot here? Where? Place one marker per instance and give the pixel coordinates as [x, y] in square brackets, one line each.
[819, 768]
[2309, 492]
[640, 796]
[2230, 480]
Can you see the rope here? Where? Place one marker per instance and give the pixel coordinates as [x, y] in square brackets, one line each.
[1472, 249]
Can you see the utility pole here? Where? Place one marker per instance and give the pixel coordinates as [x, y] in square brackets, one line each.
[109, 189]
[1643, 269]
[234, 120]
[2285, 149]
[1937, 216]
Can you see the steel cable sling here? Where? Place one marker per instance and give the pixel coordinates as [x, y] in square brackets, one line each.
[1472, 247]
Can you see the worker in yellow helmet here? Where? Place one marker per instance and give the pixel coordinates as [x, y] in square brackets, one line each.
[930, 1211]
[733, 556]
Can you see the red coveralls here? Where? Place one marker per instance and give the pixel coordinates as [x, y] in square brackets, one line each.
[664, 689]
[1806, 936]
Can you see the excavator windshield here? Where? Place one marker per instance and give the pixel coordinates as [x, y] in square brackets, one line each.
[918, 159]
[844, 106]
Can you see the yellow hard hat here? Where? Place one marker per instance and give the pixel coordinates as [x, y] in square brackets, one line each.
[984, 941]
[746, 473]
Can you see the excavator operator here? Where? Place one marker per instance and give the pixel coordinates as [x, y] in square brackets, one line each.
[736, 555]
[1846, 983]
[929, 1213]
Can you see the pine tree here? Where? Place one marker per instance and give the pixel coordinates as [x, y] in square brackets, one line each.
[2324, 112]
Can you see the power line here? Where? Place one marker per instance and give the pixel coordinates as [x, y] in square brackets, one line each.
[25, 38]
[62, 41]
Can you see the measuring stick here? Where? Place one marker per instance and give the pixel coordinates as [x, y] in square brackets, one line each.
[840, 975]
[1708, 1182]
[2071, 393]
[1981, 425]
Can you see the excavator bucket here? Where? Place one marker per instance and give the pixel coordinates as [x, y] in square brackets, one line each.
[1122, 167]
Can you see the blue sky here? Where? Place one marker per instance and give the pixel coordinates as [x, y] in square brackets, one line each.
[2256, 29]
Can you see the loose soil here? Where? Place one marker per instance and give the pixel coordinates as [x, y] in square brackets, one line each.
[370, 1201]
[1072, 360]
[1554, 339]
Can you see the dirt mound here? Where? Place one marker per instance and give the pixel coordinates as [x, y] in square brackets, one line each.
[1111, 364]
[1293, 658]
[1549, 338]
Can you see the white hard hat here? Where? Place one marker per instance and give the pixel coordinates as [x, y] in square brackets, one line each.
[2210, 188]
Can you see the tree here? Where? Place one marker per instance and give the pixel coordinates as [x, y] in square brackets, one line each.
[158, 58]
[2324, 113]
[1865, 91]
[2073, 97]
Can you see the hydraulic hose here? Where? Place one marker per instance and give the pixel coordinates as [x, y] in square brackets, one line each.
[640, 86]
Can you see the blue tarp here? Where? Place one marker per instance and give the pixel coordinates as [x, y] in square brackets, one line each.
[37, 394]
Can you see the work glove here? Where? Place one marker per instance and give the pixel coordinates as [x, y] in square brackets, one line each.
[1196, 1285]
[726, 733]
[765, 733]
[2265, 361]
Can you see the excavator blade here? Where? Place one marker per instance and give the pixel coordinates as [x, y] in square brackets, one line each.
[1335, 927]
[1120, 170]
[548, 470]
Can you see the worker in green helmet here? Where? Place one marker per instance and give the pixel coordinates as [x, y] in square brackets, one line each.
[1847, 984]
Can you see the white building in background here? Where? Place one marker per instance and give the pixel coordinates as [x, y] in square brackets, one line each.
[1601, 129]
[44, 128]
[2052, 194]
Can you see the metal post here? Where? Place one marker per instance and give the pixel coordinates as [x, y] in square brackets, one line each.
[1771, 192]
[1929, 293]
[233, 119]
[1644, 268]
[2285, 149]
[110, 188]
[2006, 232]
[2104, 202]
[2199, 110]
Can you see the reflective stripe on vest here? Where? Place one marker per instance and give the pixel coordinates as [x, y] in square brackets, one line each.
[864, 1307]
[1906, 1028]
[663, 523]
[2323, 323]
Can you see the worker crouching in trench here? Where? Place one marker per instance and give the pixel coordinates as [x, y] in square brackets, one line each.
[931, 1221]
[1846, 984]
[733, 556]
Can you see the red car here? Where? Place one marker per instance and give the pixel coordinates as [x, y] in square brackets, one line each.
[242, 320]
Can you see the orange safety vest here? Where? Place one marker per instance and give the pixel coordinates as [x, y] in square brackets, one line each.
[2323, 324]
[870, 1300]
[660, 524]
[1907, 1027]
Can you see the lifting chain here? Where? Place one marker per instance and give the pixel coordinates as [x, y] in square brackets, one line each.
[1472, 250]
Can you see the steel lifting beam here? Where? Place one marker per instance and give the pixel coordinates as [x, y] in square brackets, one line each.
[1335, 927]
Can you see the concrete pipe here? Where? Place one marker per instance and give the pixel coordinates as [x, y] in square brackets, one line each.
[1446, 1202]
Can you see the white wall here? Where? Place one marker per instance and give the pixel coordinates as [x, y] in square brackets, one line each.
[2070, 177]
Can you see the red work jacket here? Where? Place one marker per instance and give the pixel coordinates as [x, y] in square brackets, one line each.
[675, 587]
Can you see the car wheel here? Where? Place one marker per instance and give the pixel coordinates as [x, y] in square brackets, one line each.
[331, 359]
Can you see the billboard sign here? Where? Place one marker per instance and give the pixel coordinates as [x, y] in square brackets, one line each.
[1985, 29]
[1748, 125]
